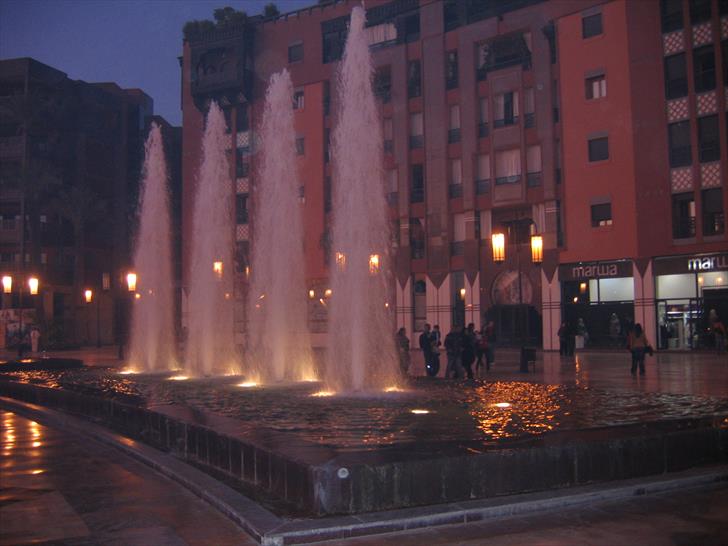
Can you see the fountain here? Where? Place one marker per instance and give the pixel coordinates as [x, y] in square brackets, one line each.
[362, 354]
[210, 347]
[279, 343]
[152, 341]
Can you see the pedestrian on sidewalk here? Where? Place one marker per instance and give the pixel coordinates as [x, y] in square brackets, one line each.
[454, 349]
[639, 346]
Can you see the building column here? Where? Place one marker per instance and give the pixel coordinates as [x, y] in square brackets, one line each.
[439, 304]
[550, 310]
[644, 301]
[404, 306]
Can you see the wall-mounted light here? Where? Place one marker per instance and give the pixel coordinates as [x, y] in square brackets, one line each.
[311, 294]
[131, 281]
[340, 260]
[582, 287]
[462, 293]
[88, 295]
[374, 264]
[536, 249]
[328, 292]
[33, 285]
[217, 268]
[7, 284]
[498, 241]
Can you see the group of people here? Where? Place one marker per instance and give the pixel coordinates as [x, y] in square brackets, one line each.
[464, 346]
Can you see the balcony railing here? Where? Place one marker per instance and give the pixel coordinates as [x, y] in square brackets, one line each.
[482, 186]
[453, 136]
[503, 180]
[505, 122]
[455, 191]
[533, 179]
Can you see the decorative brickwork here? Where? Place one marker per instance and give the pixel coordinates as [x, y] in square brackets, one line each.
[724, 28]
[707, 103]
[710, 174]
[242, 185]
[702, 34]
[673, 42]
[681, 179]
[677, 110]
[241, 232]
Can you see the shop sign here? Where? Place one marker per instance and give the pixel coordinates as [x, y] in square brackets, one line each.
[595, 270]
[709, 263]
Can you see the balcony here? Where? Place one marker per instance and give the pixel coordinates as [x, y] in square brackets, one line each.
[455, 191]
[533, 179]
[482, 186]
[505, 122]
[11, 147]
[505, 180]
[503, 52]
[453, 136]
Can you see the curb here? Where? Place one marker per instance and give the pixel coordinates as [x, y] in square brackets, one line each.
[272, 530]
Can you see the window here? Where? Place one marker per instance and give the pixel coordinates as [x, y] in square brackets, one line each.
[419, 298]
[383, 84]
[417, 138]
[723, 7]
[414, 79]
[298, 99]
[506, 109]
[671, 15]
[601, 215]
[382, 35]
[483, 119]
[507, 167]
[708, 139]
[679, 140]
[591, 25]
[683, 215]
[704, 68]
[295, 52]
[453, 134]
[724, 47]
[482, 184]
[333, 34]
[327, 145]
[676, 76]
[599, 149]
[456, 179]
[457, 246]
[699, 11]
[300, 146]
[393, 187]
[713, 216]
[242, 167]
[242, 122]
[388, 136]
[327, 194]
[417, 238]
[241, 208]
[533, 165]
[596, 87]
[451, 70]
[529, 107]
[418, 184]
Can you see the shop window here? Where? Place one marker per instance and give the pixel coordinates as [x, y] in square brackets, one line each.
[383, 84]
[419, 297]
[241, 208]
[451, 70]
[713, 215]
[414, 79]
[679, 141]
[417, 194]
[591, 25]
[596, 87]
[506, 109]
[295, 52]
[704, 68]
[683, 215]
[617, 289]
[601, 215]
[676, 286]
[708, 139]
[699, 11]
[416, 137]
[508, 167]
[676, 76]
[598, 149]
[671, 15]
[298, 99]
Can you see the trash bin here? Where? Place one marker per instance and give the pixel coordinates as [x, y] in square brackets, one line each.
[528, 355]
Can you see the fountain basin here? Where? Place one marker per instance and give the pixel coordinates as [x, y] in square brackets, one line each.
[409, 459]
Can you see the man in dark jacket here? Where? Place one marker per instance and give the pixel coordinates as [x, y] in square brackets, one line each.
[425, 341]
[454, 349]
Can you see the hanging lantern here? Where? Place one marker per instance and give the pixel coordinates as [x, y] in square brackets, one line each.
[88, 295]
[7, 284]
[536, 249]
[131, 281]
[33, 285]
[498, 241]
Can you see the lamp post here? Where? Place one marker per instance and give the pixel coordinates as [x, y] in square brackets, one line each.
[33, 286]
[499, 256]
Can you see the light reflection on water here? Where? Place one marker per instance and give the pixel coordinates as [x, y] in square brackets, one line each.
[458, 412]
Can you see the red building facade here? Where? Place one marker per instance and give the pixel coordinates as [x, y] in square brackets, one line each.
[522, 117]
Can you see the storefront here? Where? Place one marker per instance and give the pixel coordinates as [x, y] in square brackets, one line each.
[598, 301]
[690, 291]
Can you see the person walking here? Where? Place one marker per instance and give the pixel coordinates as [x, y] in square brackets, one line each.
[639, 346]
[403, 348]
[563, 339]
[425, 342]
[435, 343]
[469, 349]
[481, 345]
[453, 348]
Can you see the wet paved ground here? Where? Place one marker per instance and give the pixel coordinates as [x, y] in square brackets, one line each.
[57, 488]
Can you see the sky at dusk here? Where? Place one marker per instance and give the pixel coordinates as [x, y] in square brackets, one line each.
[134, 43]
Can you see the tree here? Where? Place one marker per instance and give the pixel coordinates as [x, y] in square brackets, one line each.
[228, 16]
[270, 11]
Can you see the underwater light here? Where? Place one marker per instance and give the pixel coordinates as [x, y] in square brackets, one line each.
[247, 384]
[128, 372]
[502, 405]
[394, 388]
[178, 378]
[323, 393]
[419, 411]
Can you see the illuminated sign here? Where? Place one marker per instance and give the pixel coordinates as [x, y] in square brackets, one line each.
[709, 263]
